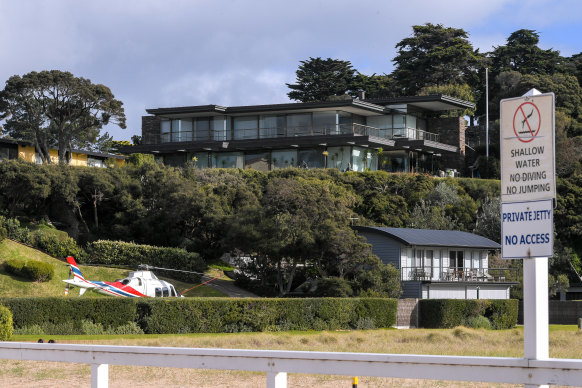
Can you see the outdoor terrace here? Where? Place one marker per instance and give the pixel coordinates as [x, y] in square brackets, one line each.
[406, 133]
[436, 274]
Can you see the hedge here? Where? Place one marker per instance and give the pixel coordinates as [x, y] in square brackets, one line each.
[204, 315]
[130, 254]
[35, 270]
[110, 312]
[6, 328]
[448, 313]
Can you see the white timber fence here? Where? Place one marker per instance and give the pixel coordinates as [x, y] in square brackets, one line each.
[276, 363]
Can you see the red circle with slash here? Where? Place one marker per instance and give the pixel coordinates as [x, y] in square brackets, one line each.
[527, 122]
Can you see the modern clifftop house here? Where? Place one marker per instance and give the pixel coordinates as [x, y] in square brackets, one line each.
[441, 264]
[404, 134]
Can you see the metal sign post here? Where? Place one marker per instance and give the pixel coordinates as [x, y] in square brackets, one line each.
[528, 188]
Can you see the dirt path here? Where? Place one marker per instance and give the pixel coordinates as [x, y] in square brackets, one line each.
[228, 288]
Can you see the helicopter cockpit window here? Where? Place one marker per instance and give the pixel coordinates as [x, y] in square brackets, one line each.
[125, 282]
[172, 291]
[166, 292]
[158, 292]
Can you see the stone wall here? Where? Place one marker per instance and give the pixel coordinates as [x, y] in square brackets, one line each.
[150, 130]
[407, 314]
[451, 131]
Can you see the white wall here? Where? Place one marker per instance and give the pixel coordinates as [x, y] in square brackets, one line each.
[465, 291]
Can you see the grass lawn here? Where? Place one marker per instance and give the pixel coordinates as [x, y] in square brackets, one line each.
[13, 286]
[565, 342]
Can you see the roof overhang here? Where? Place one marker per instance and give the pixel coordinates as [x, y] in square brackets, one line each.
[435, 103]
[359, 107]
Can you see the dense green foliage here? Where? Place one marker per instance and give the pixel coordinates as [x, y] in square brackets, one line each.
[129, 254]
[318, 79]
[201, 315]
[290, 216]
[35, 270]
[434, 55]
[56, 109]
[448, 313]
[6, 324]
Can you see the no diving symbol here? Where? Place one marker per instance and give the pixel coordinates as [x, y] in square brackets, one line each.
[526, 122]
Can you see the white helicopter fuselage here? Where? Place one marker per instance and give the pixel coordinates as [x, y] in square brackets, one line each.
[137, 284]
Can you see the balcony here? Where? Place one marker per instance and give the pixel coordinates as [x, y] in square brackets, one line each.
[302, 131]
[436, 274]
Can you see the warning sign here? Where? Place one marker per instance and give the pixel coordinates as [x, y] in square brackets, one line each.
[526, 126]
[527, 148]
[527, 229]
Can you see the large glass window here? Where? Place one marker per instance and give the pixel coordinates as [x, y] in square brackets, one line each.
[299, 125]
[456, 260]
[363, 159]
[165, 128]
[199, 159]
[339, 157]
[311, 158]
[399, 125]
[245, 127]
[283, 158]
[324, 123]
[175, 160]
[181, 130]
[271, 126]
[229, 160]
[380, 122]
[220, 126]
[202, 128]
[345, 122]
[394, 161]
[257, 161]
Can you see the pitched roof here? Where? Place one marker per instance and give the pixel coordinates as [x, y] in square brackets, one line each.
[440, 238]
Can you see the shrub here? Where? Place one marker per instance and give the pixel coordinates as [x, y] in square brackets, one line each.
[333, 287]
[56, 245]
[6, 328]
[122, 253]
[3, 233]
[502, 313]
[14, 266]
[39, 271]
[449, 313]
[478, 322]
[35, 270]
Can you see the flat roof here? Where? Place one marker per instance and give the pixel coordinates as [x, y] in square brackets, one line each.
[433, 102]
[429, 237]
[365, 107]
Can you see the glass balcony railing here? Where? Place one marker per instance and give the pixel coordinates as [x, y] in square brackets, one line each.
[279, 132]
[460, 274]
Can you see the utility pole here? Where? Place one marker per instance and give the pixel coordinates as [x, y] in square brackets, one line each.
[487, 114]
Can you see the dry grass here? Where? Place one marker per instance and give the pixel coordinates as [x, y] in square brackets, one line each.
[459, 341]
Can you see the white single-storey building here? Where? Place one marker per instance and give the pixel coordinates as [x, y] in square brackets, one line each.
[441, 264]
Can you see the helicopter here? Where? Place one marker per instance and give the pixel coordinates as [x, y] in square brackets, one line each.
[141, 283]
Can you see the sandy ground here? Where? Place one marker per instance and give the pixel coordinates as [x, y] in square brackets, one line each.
[52, 375]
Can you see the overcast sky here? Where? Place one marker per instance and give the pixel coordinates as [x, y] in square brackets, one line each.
[179, 53]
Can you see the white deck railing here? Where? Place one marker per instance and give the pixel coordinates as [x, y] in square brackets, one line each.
[277, 363]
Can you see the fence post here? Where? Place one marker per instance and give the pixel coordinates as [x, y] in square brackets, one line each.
[276, 379]
[99, 375]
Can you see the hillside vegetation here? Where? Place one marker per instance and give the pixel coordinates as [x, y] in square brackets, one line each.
[285, 226]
